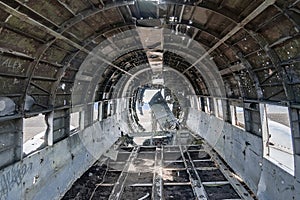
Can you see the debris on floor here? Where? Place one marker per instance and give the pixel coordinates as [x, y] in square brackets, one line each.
[178, 170]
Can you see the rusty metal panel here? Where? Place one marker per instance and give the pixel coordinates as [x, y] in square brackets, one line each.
[10, 141]
[241, 34]
[81, 31]
[75, 6]
[278, 28]
[18, 42]
[248, 45]
[76, 62]
[98, 20]
[260, 59]
[27, 29]
[13, 65]
[3, 15]
[52, 10]
[45, 70]
[230, 55]
[64, 45]
[53, 54]
[11, 86]
[289, 49]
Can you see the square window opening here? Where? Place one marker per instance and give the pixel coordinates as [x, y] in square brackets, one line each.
[207, 105]
[199, 103]
[34, 133]
[96, 112]
[237, 116]
[74, 121]
[278, 137]
[218, 105]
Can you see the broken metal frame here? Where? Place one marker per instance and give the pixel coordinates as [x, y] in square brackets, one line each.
[57, 36]
[197, 185]
[119, 186]
[158, 174]
[36, 13]
[158, 170]
[232, 178]
[241, 57]
[207, 7]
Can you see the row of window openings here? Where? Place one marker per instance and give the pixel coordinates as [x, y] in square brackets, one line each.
[277, 134]
[237, 113]
[34, 128]
[278, 138]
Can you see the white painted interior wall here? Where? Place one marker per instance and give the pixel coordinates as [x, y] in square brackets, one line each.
[48, 173]
[266, 179]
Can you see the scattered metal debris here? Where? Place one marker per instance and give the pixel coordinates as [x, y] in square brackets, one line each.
[179, 171]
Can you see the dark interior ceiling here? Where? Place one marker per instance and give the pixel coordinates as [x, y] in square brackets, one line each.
[253, 43]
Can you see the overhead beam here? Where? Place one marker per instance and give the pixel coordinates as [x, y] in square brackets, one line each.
[18, 31]
[106, 30]
[66, 7]
[36, 13]
[200, 29]
[238, 27]
[213, 7]
[16, 53]
[232, 69]
[89, 13]
[296, 1]
[267, 21]
[40, 87]
[26, 56]
[27, 19]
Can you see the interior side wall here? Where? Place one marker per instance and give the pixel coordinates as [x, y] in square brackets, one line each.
[243, 151]
[47, 174]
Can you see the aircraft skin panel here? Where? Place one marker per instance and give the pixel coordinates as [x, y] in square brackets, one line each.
[162, 112]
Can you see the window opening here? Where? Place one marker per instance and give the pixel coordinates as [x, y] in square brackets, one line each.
[96, 111]
[278, 137]
[218, 105]
[34, 133]
[74, 121]
[238, 118]
[207, 105]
